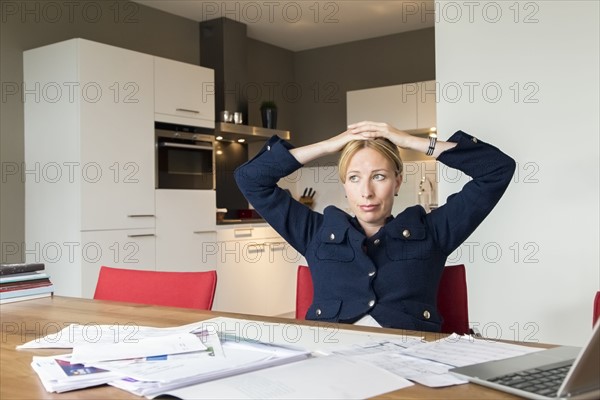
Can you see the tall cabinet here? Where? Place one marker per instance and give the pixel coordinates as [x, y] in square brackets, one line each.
[89, 147]
[90, 194]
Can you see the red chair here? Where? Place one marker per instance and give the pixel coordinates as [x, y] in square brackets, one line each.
[596, 314]
[160, 288]
[304, 292]
[452, 298]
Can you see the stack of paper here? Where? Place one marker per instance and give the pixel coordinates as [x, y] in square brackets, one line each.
[59, 374]
[152, 360]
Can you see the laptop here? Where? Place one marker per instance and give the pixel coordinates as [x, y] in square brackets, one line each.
[557, 373]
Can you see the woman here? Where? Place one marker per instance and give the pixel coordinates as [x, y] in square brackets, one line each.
[373, 268]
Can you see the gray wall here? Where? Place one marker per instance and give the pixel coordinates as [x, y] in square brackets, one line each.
[270, 72]
[27, 25]
[309, 86]
[326, 74]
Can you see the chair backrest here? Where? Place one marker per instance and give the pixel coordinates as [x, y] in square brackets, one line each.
[452, 301]
[596, 314]
[160, 288]
[452, 297]
[304, 291]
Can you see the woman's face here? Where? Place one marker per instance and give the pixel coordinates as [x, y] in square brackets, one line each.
[370, 186]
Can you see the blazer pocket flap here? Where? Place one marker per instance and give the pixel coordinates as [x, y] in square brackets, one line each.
[334, 235]
[422, 311]
[325, 310]
[407, 232]
[334, 245]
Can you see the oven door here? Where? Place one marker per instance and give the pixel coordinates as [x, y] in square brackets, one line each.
[185, 163]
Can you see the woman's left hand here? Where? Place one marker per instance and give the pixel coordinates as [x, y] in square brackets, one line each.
[370, 129]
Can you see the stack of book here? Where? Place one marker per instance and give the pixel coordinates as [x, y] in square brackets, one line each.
[24, 281]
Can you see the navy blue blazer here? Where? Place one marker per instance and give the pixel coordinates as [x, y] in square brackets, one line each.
[393, 275]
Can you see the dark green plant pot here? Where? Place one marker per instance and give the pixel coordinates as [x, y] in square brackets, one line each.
[269, 118]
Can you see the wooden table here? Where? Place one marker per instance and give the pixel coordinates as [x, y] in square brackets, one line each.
[31, 319]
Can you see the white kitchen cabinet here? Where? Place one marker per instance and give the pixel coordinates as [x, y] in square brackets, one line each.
[184, 93]
[409, 106]
[396, 105]
[89, 147]
[186, 234]
[127, 248]
[117, 137]
[256, 272]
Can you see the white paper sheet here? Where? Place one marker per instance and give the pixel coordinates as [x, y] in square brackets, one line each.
[319, 339]
[327, 377]
[459, 351]
[148, 347]
[76, 334]
[149, 378]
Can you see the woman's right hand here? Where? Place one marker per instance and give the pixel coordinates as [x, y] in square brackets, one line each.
[338, 142]
[332, 145]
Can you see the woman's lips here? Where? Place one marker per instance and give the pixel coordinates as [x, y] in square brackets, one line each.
[368, 207]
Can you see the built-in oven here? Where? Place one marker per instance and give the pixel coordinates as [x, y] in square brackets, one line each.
[185, 157]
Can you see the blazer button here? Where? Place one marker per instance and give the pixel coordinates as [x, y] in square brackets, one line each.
[474, 140]
[376, 242]
[372, 273]
[268, 148]
[406, 233]
[426, 314]
[318, 312]
[371, 303]
[332, 237]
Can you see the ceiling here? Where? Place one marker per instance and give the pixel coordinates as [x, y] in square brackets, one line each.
[303, 25]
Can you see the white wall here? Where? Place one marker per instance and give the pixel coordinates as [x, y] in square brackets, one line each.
[533, 265]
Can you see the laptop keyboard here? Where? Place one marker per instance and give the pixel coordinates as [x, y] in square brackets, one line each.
[545, 382]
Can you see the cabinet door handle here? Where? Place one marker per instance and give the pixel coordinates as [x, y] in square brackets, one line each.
[205, 232]
[242, 232]
[277, 246]
[140, 215]
[256, 247]
[185, 146]
[187, 110]
[136, 235]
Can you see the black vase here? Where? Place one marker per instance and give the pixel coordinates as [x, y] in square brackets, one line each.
[269, 117]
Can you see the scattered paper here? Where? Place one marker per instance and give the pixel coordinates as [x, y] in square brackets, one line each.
[458, 351]
[229, 356]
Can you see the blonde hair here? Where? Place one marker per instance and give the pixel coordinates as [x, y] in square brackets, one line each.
[381, 145]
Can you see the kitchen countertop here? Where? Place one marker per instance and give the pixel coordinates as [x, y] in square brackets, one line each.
[241, 221]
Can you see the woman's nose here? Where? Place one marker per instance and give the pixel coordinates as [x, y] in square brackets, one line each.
[366, 191]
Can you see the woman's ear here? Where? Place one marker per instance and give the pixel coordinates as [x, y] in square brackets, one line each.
[398, 182]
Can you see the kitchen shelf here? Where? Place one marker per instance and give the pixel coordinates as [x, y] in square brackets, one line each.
[250, 133]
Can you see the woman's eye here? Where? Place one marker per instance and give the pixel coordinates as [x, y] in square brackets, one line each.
[353, 178]
[378, 177]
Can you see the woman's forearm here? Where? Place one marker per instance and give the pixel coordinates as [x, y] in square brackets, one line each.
[332, 145]
[310, 152]
[421, 145]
